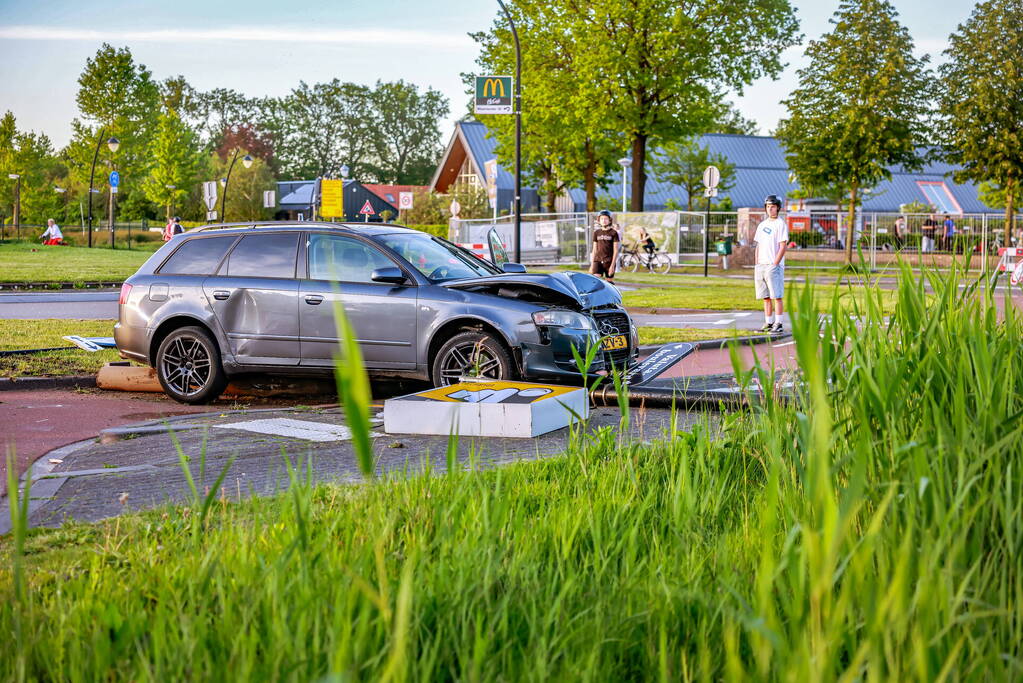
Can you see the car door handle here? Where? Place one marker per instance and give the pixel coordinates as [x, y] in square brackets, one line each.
[221, 295]
[313, 299]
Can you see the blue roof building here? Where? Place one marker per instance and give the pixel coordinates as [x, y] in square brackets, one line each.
[760, 170]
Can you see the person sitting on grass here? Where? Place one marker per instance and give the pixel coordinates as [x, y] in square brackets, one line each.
[771, 239]
[53, 235]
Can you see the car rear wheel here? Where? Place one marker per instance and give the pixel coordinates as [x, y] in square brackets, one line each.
[473, 354]
[188, 366]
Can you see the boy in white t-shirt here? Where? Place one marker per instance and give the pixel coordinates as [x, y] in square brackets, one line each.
[771, 240]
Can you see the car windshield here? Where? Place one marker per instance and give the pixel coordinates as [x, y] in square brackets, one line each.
[437, 259]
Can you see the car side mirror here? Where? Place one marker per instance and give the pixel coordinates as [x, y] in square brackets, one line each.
[390, 274]
[513, 268]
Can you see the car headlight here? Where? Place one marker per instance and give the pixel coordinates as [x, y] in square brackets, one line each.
[576, 321]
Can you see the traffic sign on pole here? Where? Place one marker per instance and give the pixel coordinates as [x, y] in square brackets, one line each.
[405, 200]
[711, 177]
[367, 209]
[494, 95]
[209, 195]
[115, 179]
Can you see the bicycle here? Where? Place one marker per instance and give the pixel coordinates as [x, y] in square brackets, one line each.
[658, 262]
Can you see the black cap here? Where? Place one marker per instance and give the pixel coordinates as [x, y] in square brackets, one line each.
[605, 212]
[772, 199]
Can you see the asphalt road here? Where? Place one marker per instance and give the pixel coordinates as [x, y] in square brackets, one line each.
[101, 305]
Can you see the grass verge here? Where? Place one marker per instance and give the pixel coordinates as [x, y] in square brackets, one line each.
[665, 335]
[867, 528]
[48, 333]
[27, 262]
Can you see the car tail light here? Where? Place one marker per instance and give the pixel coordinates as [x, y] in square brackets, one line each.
[125, 291]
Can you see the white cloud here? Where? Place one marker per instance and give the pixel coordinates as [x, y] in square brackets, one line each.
[250, 34]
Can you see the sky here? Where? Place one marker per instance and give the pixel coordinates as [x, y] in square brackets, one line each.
[263, 48]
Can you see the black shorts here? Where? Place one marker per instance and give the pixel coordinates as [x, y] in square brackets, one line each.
[602, 266]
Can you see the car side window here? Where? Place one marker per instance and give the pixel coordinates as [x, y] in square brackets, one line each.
[197, 256]
[271, 255]
[333, 257]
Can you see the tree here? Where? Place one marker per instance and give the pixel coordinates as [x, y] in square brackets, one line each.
[320, 128]
[408, 133]
[175, 162]
[249, 137]
[565, 141]
[31, 156]
[861, 105]
[683, 164]
[219, 111]
[245, 192]
[118, 96]
[659, 65]
[981, 101]
[731, 121]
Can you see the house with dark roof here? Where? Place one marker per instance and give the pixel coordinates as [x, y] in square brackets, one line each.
[760, 170]
[297, 196]
[391, 193]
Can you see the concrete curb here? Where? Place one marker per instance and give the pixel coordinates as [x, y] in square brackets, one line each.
[750, 340]
[33, 383]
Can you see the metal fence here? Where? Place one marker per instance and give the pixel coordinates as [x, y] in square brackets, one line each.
[127, 234]
[567, 237]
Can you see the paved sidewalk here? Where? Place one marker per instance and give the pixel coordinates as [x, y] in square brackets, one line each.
[96, 480]
[91, 305]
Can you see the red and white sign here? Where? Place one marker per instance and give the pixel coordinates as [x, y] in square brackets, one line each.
[1017, 275]
[405, 200]
[367, 209]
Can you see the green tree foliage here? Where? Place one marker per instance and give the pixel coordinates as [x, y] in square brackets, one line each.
[862, 104]
[565, 140]
[319, 128]
[731, 121]
[118, 97]
[982, 100]
[659, 65]
[245, 191]
[407, 145]
[31, 156]
[428, 208]
[683, 164]
[175, 163]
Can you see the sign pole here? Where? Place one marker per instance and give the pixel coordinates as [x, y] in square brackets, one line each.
[711, 178]
[518, 136]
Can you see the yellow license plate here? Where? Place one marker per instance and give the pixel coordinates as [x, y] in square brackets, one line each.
[616, 342]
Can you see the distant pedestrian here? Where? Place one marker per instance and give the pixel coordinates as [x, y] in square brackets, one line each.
[606, 244]
[53, 235]
[771, 240]
[927, 232]
[172, 228]
[900, 232]
[949, 232]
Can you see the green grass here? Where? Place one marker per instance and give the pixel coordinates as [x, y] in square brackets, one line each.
[48, 333]
[867, 529]
[26, 262]
[665, 335]
[719, 294]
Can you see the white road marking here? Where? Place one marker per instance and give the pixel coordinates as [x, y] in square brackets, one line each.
[741, 315]
[723, 321]
[788, 343]
[297, 429]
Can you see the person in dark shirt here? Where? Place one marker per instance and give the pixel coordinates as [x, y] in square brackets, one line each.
[606, 243]
[927, 231]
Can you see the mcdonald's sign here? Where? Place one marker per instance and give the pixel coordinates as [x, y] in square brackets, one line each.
[494, 95]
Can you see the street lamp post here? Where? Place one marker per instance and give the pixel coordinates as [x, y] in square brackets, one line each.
[518, 136]
[113, 144]
[16, 177]
[625, 163]
[247, 163]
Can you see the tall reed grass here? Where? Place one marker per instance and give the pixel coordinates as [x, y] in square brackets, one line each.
[871, 529]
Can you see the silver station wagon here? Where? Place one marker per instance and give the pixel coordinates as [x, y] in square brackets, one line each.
[224, 300]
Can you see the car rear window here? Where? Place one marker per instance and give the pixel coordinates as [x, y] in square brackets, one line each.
[197, 256]
[264, 256]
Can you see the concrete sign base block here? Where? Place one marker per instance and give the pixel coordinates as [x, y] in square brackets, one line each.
[486, 408]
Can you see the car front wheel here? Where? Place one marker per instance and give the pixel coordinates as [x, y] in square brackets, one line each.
[471, 354]
[188, 366]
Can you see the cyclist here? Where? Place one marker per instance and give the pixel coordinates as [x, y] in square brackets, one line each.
[647, 241]
[606, 244]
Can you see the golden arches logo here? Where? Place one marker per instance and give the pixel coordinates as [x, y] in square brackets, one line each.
[491, 85]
